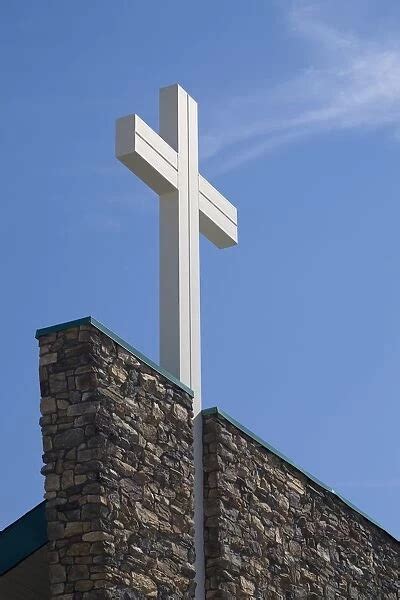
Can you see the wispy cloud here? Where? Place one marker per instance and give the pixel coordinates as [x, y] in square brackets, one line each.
[352, 83]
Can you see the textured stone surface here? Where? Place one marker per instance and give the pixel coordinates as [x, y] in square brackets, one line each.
[271, 533]
[117, 439]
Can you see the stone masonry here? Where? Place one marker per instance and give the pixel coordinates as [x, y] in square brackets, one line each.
[273, 533]
[117, 438]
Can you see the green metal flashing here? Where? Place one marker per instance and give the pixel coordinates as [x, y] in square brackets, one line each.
[215, 411]
[118, 340]
[23, 537]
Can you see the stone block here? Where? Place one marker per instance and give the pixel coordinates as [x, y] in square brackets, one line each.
[69, 439]
[48, 406]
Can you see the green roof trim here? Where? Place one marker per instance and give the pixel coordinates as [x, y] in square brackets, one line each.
[23, 537]
[220, 413]
[91, 321]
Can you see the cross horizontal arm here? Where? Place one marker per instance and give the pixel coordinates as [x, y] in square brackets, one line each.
[218, 217]
[151, 158]
[146, 154]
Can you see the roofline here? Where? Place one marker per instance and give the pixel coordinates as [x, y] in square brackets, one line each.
[218, 412]
[22, 538]
[116, 338]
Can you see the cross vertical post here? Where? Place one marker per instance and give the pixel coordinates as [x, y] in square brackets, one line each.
[189, 204]
[179, 245]
[180, 279]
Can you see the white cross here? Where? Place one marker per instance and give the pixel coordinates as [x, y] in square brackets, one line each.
[189, 204]
[168, 163]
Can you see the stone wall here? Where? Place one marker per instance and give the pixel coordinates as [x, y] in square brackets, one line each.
[273, 533]
[117, 438]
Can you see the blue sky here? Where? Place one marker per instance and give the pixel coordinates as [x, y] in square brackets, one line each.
[299, 108]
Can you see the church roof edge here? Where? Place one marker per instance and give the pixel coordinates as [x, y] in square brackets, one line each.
[23, 537]
[218, 412]
[116, 338]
